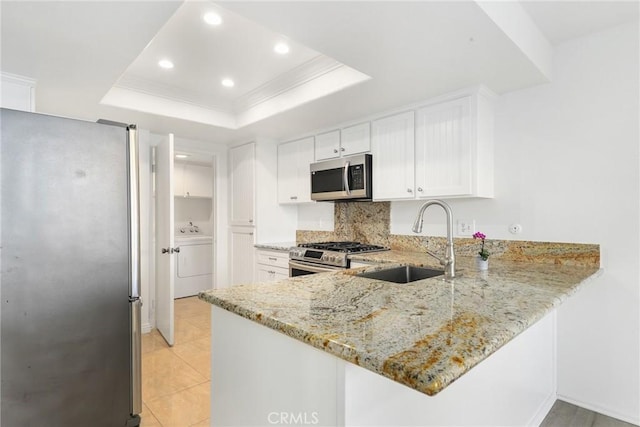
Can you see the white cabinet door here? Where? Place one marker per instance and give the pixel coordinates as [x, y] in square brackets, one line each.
[392, 146]
[443, 149]
[328, 145]
[294, 182]
[18, 93]
[242, 175]
[242, 252]
[355, 139]
[198, 181]
[178, 179]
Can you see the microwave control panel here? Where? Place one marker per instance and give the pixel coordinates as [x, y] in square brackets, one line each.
[357, 177]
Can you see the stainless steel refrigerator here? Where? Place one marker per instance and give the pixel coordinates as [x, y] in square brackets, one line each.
[69, 288]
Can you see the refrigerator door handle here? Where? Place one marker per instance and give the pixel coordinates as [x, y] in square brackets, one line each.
[135, 303]
[136, 358]
[134, 209]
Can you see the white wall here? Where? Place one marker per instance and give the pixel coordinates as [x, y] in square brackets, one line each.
[566, 169]
[198, 211]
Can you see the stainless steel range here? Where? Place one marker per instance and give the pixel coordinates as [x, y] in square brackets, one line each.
[310, 258]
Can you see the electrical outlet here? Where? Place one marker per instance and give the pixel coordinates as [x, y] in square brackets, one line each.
[515, 229]
[466, 227]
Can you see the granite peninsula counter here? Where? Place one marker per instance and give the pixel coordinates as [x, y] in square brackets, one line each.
[424, 335]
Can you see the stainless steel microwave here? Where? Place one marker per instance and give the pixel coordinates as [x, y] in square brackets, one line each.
[347, 178]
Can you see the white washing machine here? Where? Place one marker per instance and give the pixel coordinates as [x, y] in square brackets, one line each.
[194, 265]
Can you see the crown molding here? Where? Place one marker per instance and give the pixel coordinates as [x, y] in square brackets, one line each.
[167, 91]
[304, 73]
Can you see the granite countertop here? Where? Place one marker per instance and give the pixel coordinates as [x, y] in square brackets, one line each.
[278, 246]
[425, 334]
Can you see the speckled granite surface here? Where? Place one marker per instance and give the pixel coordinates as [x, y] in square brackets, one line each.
[368, 222]
[277, 246]
[425, 334]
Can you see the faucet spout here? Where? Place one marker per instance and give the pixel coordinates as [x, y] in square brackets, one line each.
[449, 261]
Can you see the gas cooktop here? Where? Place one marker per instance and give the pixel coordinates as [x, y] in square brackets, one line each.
[348, 247]
[331, 253]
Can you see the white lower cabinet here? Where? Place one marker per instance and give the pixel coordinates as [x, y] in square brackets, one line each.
[241, 251]
[271, 265]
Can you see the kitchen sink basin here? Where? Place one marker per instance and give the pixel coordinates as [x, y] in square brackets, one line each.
[405, 274]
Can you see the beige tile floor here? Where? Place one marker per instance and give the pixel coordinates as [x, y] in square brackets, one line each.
[176, 380]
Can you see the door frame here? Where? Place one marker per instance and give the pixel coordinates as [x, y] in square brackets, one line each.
[219, 158]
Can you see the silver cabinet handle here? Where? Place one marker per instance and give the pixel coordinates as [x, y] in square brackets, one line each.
[177, 250]
[335, 151]
[294, 197]
[409, 190]
[166, 250]
[271, 272]
[420, 189]
[250, 220]
[273, 259]
[341, 148]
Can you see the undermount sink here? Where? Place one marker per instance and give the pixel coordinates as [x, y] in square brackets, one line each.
[404, 274]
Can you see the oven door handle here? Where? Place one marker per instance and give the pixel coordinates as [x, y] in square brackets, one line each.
[345, 177]
[312, 268]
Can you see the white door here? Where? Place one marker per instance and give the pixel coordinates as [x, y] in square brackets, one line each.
[165, 258]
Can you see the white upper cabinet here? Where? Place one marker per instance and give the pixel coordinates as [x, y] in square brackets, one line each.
[294, 179]
[18, 92]
[328, 145]
[242, 177]
[192, 180]
[443, 149]
[346, 142]
[451, 156]
[356, 139]
[392, 147]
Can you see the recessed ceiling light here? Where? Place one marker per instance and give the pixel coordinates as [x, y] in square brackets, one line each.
[281, 48]
[212, 18]
[181, 156]
[227, 83]
[165, 63]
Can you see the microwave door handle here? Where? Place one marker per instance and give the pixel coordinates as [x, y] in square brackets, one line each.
[346, 178]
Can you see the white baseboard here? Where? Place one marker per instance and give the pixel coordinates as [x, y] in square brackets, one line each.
[543, 410]
[633, 419]
[146, 328]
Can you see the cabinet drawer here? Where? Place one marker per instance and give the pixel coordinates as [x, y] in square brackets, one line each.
[268, 274]
[274, 259]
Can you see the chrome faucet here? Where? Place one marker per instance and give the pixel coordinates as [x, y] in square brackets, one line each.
[449, 261]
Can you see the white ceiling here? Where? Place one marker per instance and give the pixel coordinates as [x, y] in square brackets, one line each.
[81, 51]
[564, 20]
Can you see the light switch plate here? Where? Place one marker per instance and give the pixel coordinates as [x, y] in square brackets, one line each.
[466, 227]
